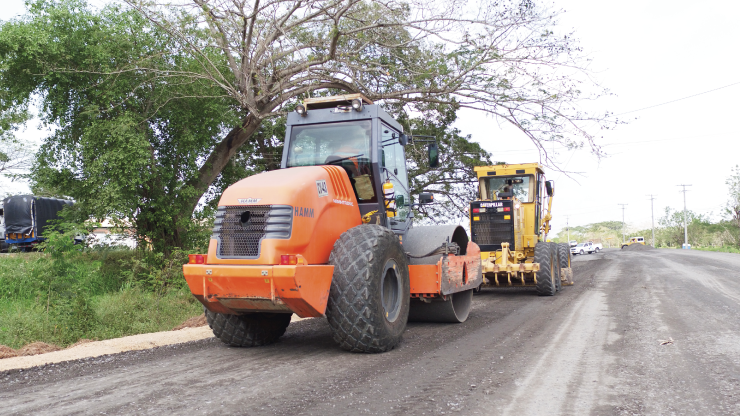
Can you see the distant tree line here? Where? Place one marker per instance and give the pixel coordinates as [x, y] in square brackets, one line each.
[669, 230]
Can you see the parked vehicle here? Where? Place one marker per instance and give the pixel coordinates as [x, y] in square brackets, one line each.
[3, 244]
[26, 218]
[634, 240]
[573, 243]
[586, 248]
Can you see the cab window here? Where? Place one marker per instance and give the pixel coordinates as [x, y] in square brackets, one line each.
[344, 144]
[520, 186]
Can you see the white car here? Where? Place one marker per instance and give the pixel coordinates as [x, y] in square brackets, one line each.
[572, 243]
[586, 248]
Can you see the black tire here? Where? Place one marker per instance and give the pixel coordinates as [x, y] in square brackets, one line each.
[556, 268]
[596, 250]
[581, 253]
[544, 255]
[250, 330]
[623, 247]
[369, 299]
[563, 259]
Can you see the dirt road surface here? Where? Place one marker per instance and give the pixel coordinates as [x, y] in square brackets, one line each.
[595, 348]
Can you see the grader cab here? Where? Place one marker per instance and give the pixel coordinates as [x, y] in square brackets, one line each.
[510, 222]
[330, 234]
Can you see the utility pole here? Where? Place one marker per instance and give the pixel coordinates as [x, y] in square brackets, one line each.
[685, 219]
[623, 237]
[652, 217]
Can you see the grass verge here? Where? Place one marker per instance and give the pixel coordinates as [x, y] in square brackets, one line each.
[67, 295]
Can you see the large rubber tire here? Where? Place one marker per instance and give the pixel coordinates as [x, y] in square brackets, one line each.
[544, 255]
[369, 299]
[564, 255]
[556, 263]
[250, 330]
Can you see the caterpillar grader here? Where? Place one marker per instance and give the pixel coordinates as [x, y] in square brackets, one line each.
[510, 222]
[330, 234]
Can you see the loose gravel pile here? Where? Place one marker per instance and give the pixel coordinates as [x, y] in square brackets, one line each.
[638, 247]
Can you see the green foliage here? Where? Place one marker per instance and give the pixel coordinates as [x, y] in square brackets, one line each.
[454, 183]
[70, 292]
[128, 142]
[608, 233]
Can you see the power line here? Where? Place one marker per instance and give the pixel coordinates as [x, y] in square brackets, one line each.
[680, 99]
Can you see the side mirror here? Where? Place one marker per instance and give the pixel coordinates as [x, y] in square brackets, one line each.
[433, 153]
[403, 139]
[400, 201]
[550, 187]
[426, 198]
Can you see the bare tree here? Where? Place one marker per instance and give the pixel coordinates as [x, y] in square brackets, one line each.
[500, 57]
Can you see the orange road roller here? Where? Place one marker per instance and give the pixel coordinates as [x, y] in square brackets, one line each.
[330, 234]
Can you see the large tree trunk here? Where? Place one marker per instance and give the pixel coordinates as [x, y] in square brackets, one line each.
[219, 157]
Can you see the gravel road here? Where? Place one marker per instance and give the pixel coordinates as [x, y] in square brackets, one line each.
[595, 348]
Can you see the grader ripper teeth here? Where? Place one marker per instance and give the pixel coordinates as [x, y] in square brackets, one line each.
[510, 221]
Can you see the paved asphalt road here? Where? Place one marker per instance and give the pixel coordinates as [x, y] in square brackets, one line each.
[592, 349]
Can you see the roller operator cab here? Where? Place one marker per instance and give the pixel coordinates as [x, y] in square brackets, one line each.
[510, 222]
[330, 234]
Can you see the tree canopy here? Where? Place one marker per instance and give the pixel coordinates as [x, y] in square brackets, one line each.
[157, 107]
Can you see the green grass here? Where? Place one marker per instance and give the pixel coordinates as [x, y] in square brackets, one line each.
[73, 295]
[725, 249]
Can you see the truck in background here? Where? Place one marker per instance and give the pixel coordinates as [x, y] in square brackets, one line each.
[586, 248]
[27, 217]
[3, 244]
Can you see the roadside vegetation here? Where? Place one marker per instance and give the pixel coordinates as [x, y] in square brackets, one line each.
[703, 233]
[68, 293]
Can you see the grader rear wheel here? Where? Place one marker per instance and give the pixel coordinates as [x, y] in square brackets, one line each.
[369, 297]
[564, 260]
[556, 269]
[543, 254]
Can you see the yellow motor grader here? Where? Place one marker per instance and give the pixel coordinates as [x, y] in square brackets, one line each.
[510, 222]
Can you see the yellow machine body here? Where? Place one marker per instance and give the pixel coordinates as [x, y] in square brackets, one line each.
[508, 225]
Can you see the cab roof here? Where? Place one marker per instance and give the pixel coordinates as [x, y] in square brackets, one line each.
[506, 170]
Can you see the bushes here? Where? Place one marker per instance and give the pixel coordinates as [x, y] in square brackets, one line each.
[69, 292]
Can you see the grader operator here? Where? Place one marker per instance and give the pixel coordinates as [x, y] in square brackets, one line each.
[510, 222]
[330, 234]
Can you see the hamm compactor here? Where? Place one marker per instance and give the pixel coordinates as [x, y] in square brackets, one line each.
[510, 222]
[330, 234]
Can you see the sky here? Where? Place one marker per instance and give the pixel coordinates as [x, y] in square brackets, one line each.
[646, 53]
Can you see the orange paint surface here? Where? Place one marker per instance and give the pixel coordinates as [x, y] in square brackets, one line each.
[301, 289]
[315, 229]
[424, 278]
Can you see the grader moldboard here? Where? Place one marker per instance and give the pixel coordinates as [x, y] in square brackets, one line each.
[510, 223]
[329, 234]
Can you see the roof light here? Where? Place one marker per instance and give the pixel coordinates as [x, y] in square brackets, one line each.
[357, 104]
[301, 110]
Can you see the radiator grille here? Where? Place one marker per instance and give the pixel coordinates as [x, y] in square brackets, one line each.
[488, 231]
[238, 239]
[492, 229]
